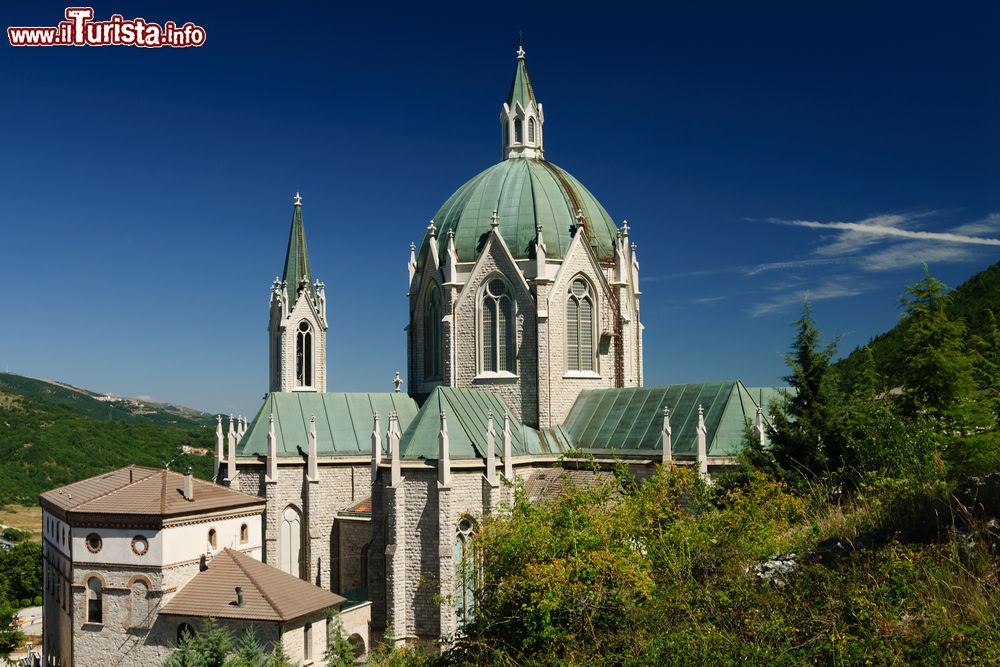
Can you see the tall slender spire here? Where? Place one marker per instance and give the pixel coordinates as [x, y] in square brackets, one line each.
[520, 87]
[522, 117]
[297, 270]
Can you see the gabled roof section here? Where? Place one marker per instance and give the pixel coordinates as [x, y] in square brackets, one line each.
[631, 419]
[268, 593]
[297, 256]
[137, 490]
[520, 87]
[343, 422]
[467, 411]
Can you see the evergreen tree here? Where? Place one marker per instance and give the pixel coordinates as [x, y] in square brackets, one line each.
[937, 368]
[10, 635]
[987, 365]
[806, 438]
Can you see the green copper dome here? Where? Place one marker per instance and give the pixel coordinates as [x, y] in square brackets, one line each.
[525, 193]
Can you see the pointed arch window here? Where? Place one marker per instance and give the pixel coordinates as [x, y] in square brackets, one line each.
[497, 334]
[517, 130]
[466, 572]
[290, 542]
[580, 326]
[432, 335]
[531, 130]
[304, 355]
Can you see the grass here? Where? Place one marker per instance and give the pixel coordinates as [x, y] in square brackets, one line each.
[23, 518]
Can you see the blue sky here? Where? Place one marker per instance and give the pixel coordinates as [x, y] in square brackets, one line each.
[759, 151]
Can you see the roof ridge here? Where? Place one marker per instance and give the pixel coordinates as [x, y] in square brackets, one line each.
[163, 496]
[114, 490]
[267, 598]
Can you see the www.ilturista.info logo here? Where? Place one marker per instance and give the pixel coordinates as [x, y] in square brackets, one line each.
[79, 29]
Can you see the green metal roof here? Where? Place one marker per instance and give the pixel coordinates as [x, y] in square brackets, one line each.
[520, 86]
[297, 257]
[466, 411]
[343, 422]
[631, 419]
[525, 193]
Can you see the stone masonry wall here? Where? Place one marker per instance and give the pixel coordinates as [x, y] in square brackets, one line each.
[519, 393]
[353, 536]
[563, 391]
[339, 485]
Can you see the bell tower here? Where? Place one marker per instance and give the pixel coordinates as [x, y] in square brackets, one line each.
[297, 326]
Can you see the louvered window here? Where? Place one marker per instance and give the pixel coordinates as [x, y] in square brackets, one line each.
[531, 130]
[499, 349]
[580, 327]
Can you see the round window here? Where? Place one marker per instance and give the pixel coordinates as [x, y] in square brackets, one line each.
[140, 545]
[94, 543]
[465, 526]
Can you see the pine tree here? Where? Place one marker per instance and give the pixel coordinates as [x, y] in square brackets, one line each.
[805, 434]
[937, 368]
[987, 365]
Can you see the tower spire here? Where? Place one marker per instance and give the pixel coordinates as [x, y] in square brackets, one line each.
[297, 273]
[521, 119]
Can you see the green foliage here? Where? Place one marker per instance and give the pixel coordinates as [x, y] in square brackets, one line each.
[12, 534]
[339, 652]
[667, 577]
[209, 647]
[21, 573]
[937, 369]
[214, 646]
[807, 438]
[970, 302]
[47, 441]
[10, 635]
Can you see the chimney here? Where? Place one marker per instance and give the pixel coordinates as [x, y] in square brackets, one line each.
[188, 485]
[239, 596]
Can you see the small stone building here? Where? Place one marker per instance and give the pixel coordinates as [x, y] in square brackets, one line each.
[127, 553]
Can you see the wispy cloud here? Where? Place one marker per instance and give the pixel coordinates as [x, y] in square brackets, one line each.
[915, 253]
[710, 299]
[886, 228]
[785, 266]
[829, 290]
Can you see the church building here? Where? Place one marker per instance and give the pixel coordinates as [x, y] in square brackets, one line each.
[524, 342]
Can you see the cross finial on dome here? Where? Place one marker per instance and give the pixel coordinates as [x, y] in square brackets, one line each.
[297, 199]
[494, 220]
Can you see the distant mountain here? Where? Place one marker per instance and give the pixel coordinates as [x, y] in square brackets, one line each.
[105, 406]
[53, 433]
[970, 301]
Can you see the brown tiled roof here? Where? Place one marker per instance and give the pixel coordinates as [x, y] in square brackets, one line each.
[268, 593]
[552, 482]
[137, 490]
[363, 506]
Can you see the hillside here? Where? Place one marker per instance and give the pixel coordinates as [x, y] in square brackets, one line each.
[101, 406]
[52, 434]
[970, 301]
